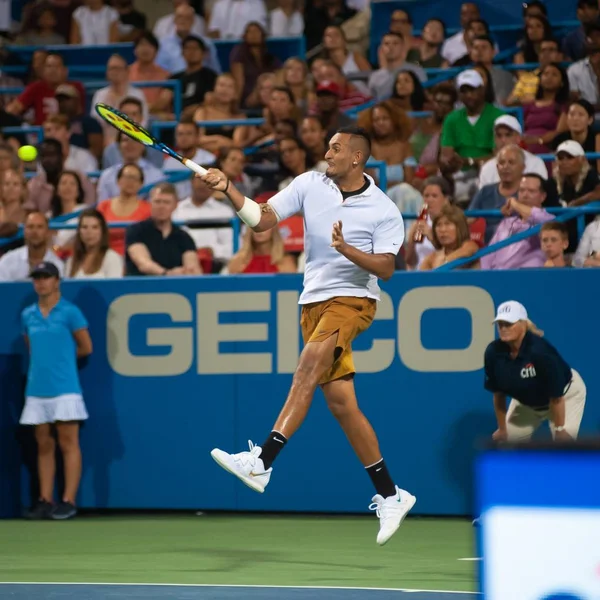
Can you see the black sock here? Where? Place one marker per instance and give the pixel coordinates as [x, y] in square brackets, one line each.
[381, 479]
[272, 447]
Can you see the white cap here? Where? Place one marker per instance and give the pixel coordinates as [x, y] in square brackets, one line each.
[511, 312]
[509, 121]
[471, 77]
[572, 148]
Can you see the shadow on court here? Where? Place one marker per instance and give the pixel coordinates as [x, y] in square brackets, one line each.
[27, 591]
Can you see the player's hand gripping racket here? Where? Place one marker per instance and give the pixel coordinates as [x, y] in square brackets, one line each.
[136, 132]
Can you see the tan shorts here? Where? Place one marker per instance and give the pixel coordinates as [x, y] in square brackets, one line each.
[345, 316]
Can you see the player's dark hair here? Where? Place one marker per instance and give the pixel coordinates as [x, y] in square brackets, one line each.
[362, 134]
[149, 37]
[196, 40]
[120, 171]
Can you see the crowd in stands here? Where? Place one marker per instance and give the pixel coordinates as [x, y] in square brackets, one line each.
[448, 143]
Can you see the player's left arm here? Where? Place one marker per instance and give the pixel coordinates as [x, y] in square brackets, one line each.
[381, 264]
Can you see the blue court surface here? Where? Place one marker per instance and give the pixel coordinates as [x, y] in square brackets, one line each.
[91, 591]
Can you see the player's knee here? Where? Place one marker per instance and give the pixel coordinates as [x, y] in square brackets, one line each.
[340, 408]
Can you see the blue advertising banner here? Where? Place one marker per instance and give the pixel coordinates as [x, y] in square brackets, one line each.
[183, 365]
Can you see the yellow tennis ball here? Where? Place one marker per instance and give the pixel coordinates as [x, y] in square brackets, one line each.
[27, 153]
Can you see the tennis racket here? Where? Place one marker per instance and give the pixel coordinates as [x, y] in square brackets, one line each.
[136, 132]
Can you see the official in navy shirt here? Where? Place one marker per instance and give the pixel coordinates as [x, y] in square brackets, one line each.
[528, 369]
[56, 333]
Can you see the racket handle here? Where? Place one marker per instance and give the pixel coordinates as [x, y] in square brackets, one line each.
[190, 164]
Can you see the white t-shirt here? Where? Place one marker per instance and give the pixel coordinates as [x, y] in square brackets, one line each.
[165, 27]
[230, 17]
[283, 26]
[80, 159]
[371, 222]
[489, 171]
[220, 239]
[111, 268]
[94, 25]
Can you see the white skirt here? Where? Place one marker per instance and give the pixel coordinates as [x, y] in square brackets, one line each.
[66, 407]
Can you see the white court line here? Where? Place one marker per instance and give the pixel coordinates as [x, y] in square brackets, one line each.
[225, 585]
[469, 559]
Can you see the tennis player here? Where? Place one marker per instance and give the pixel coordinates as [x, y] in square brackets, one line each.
[353, 232]
[56, 333]
[526, 367]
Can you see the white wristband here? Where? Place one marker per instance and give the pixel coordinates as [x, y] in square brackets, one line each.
[250, 213]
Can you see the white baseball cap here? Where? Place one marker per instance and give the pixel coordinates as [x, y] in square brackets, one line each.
[572, 148]
[470, 77]
[509, 121]
[511, 312]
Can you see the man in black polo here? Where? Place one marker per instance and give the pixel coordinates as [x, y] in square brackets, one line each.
[156, 246]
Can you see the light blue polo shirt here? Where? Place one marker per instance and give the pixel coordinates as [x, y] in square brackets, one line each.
[53, 351]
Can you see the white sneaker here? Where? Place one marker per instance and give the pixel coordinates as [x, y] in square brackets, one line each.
[391, 512]
[246, 466]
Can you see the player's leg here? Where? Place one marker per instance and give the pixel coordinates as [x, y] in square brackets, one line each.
[574, 406]
[522, 421]
[68, 440]
[392, 503]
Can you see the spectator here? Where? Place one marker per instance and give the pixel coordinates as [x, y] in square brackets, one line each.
[42, 187]
[510, 165]
[63, 12]
[428, 54]
[67, 200]
[390, 129]
[85, 131]
[41, 95]
[13, 195]
[468, 135]
[131, 152]
[554, 239]
[281, 107]
[16, 265]
[580, 124]
[456, 46]
[286, 20]
[158, 247]
[482, 53]
[476, 28]
[258, 100]
[196, 80]
[450, 238]
[507, 131]
[232, 162]
[391, 63]
[220, 105]
[319, 16]
[95, 24]
[92, 258]
[165, 26]
[583, 75]
[75, 158]
[588, 250]
[537, 29]
[145, 68]
[250, 59]
[132, 107]
[535, 8]
[53, 397]
[408, 93]
[543, 115]
[295, 160]
[43, 31]
[520, 215]
[170, 56]
[488, 84]
[312, 135]
[528, 81]
[573, 45]
[335, 49]
[444, 98]
[262, 252]
[229, 19]
[578, 183]
[186, 142]
[119, 88]
[132, 23]
[350, 96]
[214, 242]
[8, 159]
[402, 24]
[328, 108]
[126, 205]
[295, 78]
